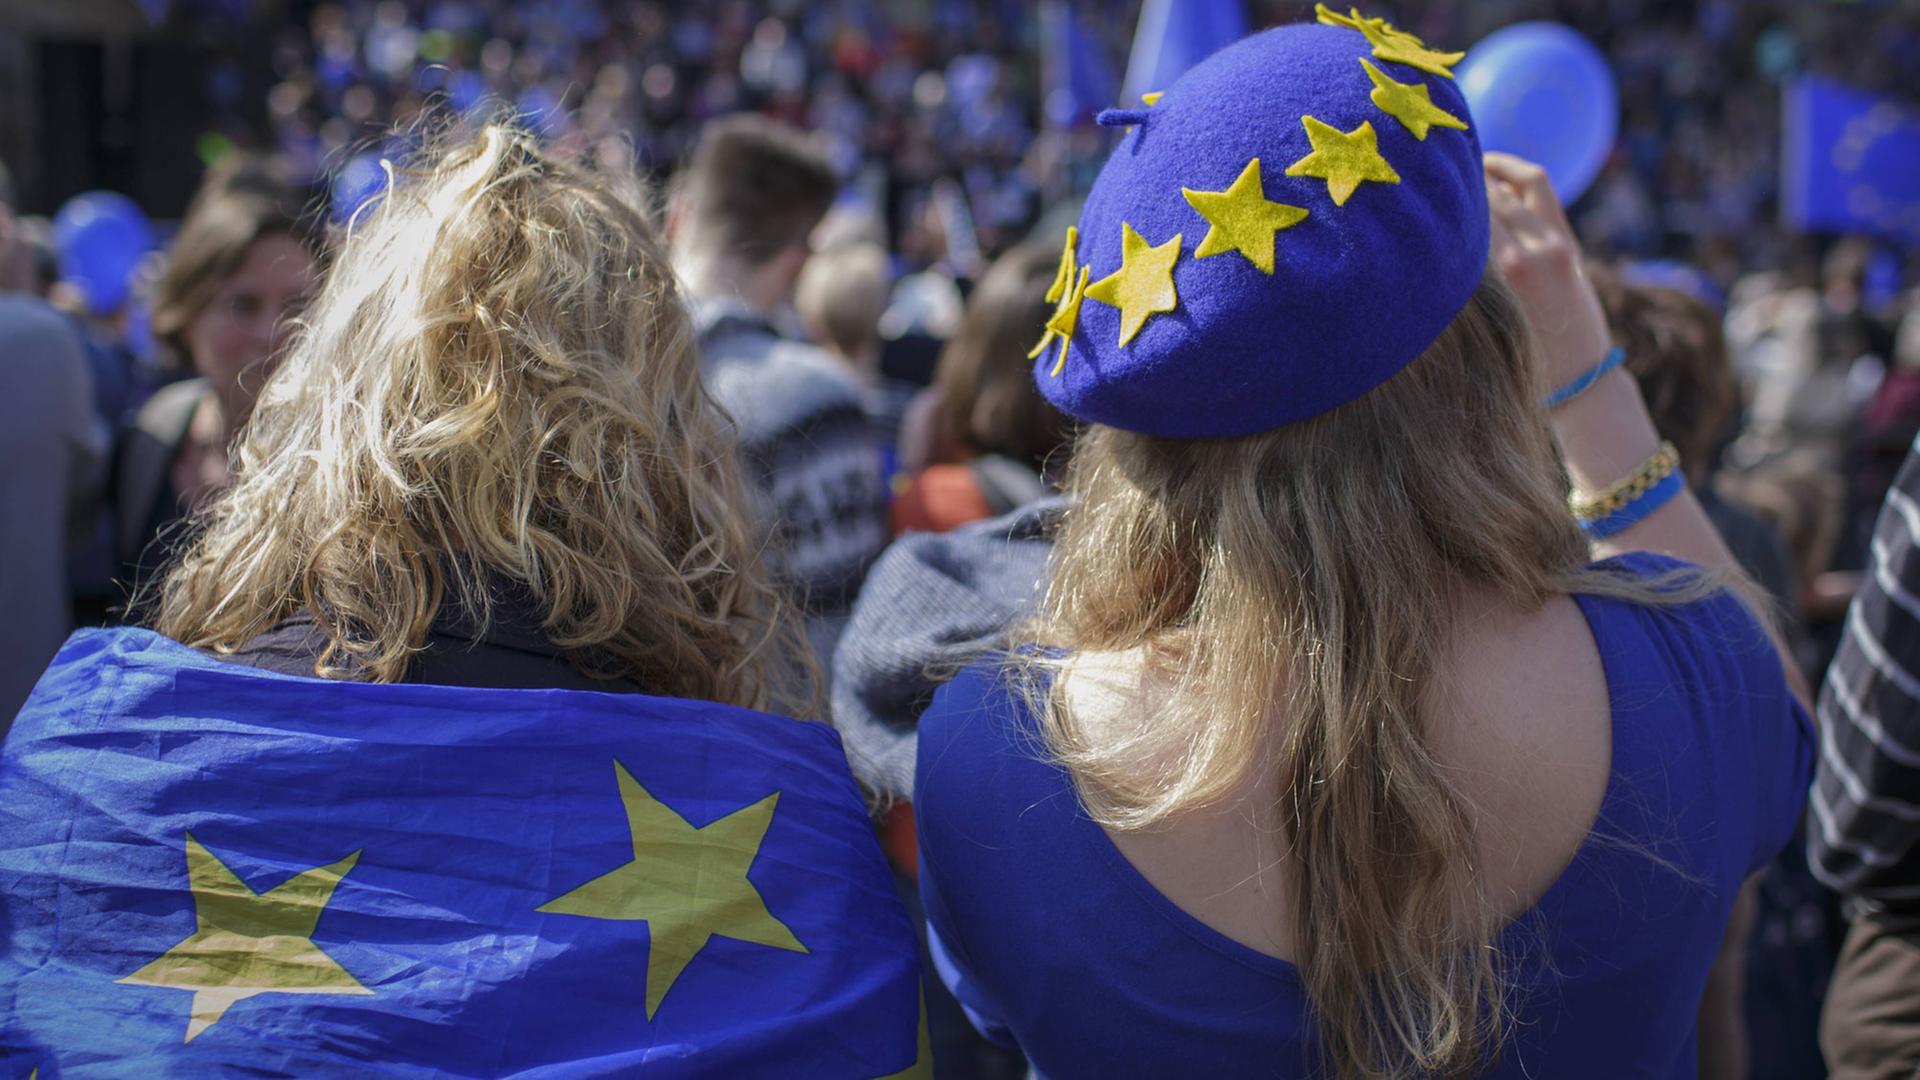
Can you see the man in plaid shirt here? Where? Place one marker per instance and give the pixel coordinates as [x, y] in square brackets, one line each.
[1865, 839]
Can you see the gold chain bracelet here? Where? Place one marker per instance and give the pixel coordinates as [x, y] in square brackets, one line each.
[1621, 492]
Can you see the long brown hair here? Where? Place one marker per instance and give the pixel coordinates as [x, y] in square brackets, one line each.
[1305, 575]
[499, 379]
[984, 381]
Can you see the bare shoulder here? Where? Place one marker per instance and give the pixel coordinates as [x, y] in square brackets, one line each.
[1521, 721]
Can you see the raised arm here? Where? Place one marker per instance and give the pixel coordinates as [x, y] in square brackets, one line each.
[1604, 432]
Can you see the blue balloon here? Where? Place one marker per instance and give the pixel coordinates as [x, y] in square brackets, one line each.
[544, 112]
[360, 181]
[1543, 92]
[101, 237]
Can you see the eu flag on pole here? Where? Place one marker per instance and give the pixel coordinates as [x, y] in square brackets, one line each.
[1174, 35]
[1849, 162]
[207, 869]
[1077, 71]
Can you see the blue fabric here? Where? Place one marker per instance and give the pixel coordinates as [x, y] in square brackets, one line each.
[1079, 73]
[1173, 35]
[470, 809]
[1639, 509]
[1053, 936]
[1357, 290]
[1583, 382]
[1850, 161]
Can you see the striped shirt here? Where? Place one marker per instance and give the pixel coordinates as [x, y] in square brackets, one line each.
[1864, 838]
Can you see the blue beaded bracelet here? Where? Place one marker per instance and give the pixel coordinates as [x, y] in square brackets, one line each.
[1614, 358]
[1639, 509]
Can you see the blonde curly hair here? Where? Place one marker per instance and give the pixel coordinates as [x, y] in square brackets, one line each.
[498, 383]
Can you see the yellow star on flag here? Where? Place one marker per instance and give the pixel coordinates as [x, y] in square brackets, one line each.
[1241, 219]
[1410, 103]
[1344, 159]
[1143, 286]
[686, 883]
[1392, 43]
[246, 943]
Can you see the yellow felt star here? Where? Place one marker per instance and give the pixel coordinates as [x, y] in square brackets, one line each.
[687, 884]
[246, 943]
[1152, 97]
[1143, 286]
[1343, 158]
[1065, 320]
[1410, 103]
[1392, 43]
[1241, 219]
[1065, 294]
[1063, 275]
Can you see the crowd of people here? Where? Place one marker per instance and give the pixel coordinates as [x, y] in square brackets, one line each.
[1197, 601]
[907, 95]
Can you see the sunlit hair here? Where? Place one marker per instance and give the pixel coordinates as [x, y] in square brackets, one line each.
[497, 383]
[1293, 588]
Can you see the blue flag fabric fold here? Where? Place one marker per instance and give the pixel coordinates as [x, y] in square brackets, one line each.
[1172, 37]
[1850, 161]
[209, 869]
[1078, 74]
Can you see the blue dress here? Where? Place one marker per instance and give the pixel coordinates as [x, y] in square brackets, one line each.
[1056, 943]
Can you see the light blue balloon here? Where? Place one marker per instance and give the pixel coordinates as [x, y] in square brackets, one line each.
[101, 237]
[1541, 91]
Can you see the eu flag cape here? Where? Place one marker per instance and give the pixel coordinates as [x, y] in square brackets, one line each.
[207, 869]
[1849, 161]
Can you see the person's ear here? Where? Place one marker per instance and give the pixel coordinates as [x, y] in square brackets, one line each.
[676, 215]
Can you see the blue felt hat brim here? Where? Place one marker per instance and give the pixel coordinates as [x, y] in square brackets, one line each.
[1358, 290]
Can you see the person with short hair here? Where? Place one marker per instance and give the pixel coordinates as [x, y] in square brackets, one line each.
[740, 222]
[840, 297]
[53, 448]
[1863, 839]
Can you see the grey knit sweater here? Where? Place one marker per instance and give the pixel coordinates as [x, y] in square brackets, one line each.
[932, 604]
[809, 452]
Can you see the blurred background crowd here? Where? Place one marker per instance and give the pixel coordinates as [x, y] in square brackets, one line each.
[961, 134]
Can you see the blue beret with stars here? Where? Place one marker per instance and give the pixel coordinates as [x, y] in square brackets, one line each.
[1282, 230]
